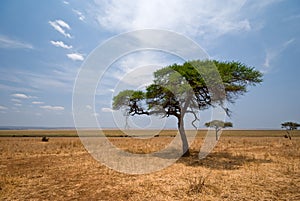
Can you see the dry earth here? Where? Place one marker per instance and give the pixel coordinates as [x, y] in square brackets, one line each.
[239, 168]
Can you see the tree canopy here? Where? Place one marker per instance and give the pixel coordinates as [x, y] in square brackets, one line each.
[289, 126]
[180, 89]
[218, 125]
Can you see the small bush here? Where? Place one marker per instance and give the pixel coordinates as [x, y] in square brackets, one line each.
[196, 185]
[45, 139]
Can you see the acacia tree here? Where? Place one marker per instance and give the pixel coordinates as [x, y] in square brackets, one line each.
[290, 126]
[181, 89]
[218, 125]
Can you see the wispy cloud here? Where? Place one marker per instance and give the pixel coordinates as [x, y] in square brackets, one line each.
[207, 20]
[37, 102]
[292, 17]
[66, 2]
[53, 108]
[63, 24]
[261, 4]
[6, 42]
[268, 57]
[134, 70]
[8, 87]
[75, 56]
[23, 96]
[79, 14]
[188, 17]
[3, 107]
[60, 77]
[16, 100]
[288, 42]
[60, 26]
[106, 109]
[273, 53]
[60, 44]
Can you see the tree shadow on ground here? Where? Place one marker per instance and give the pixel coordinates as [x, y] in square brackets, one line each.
[220, 161]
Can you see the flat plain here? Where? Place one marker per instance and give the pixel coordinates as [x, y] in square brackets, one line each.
[245, 165]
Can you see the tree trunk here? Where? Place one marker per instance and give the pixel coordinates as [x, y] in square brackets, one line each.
[289, 134]
[216, 134]
[185, 144]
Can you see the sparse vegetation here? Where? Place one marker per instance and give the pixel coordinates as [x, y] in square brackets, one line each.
[45, 139]
[218, 125]
[289, 126]
[239, 168]
[196, 185]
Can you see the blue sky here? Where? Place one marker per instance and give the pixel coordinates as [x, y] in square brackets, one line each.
[43, 45]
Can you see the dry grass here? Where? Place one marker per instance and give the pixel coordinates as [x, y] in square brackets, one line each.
[239, 168]
[146, 133]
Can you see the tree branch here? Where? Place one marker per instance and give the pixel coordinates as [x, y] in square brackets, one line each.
[195, 118]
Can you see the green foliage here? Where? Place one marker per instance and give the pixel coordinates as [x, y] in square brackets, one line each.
[194, 85]
[124, 98]
[185, 86]
[290, 125]
[237, 77]
[218, 124]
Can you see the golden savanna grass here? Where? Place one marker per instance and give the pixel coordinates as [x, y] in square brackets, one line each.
[245, 165]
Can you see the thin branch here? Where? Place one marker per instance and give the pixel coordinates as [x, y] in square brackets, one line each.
[195, 118]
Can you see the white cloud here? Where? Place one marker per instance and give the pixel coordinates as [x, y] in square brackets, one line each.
[137, 69]
[88, 107]
[63, 24]
[6, 42]
[16, 100]
[261, 4]
[60, 44]
[134, 70]
[273, 53]
[188, 17]
[3, 107]
[58, 77]
[12, 88]
[268, 57]
[79, 14]
[288, 42]
[75, 56]
[137, 78]
[23, 96]
[59, 26]
[18, 104]
[106, 109]
[37, 102]
[194, 18]
[66, 2]
[54, 108]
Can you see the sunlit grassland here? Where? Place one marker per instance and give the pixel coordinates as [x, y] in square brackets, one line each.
[241, 167]
[136, 133]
